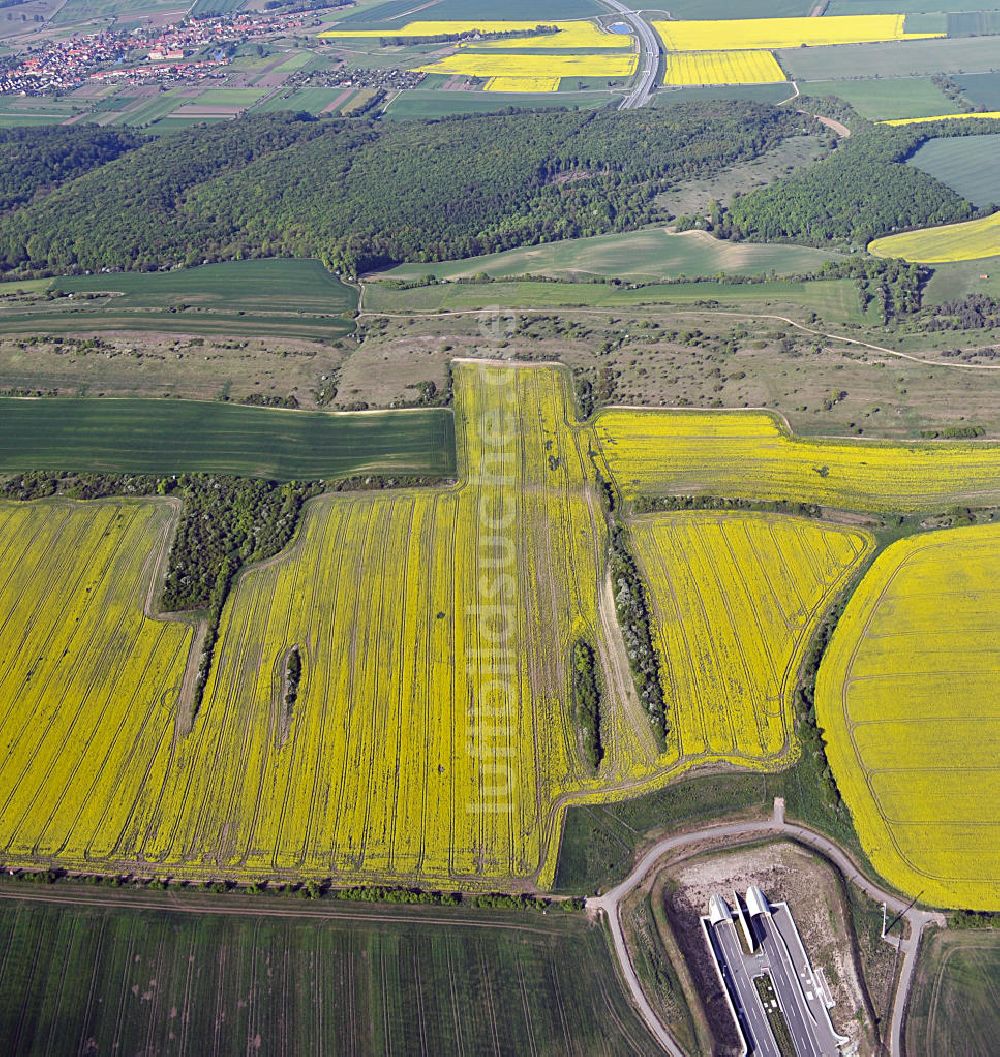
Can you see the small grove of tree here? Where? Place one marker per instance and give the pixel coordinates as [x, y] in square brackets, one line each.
[634, 616]
[587, 701]
[972, 312]
[293, 676]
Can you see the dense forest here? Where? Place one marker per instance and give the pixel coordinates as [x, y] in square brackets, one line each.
[36, 159]
[360, 193]
[861, 191]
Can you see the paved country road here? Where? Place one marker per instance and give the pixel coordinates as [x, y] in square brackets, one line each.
[649, 56]
[742, 833]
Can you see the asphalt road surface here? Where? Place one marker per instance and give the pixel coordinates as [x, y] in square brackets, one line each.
[649, 56]
[762, 1041]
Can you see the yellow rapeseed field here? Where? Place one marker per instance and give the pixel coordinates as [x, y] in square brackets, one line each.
[951, 242]
[575, 34]
[490, 64]
[751, 455]
[769, 33]
[896, 121]
[736, 598]
[908, 696]
[578, 35]
[430, 733]
[723, 67]
[432, 737]
[88, 683]
[522, 84]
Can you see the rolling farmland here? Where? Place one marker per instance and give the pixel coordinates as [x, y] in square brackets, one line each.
[289, 979]
[410, 765]
[768, 33]
[187, 436]
[907, 694]
[283, 285]
[357, 733]
[643, 256]
[750, 455]
[534, 67]
[969, 241]
[919, 58]
[736, 598]
[966, 165]
[577, 34]
[955, 1002]
[723, 67]
[89, 682]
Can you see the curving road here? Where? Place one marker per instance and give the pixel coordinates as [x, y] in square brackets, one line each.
[649, 56]
[742, 833]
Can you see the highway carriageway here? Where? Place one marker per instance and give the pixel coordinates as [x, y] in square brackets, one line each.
[775, 950]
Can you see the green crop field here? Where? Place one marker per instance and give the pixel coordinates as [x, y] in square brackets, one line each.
[314, 100]
[834, 299]
[229, 97]
[726, 9]
[952, 282]
[277, 285]
[74, 11]
[912, 58]
[895, 7]
[291, 298]
[288, 978]
[639, 256]
[394, 13]
[204, 8]
[875, 97]
[982, 88]
[430, 102]
[973, 23]
[969, 165]
[159, 106]
[954, 1005]
[189, 436]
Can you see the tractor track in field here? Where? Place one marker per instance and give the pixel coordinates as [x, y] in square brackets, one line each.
[334, 910]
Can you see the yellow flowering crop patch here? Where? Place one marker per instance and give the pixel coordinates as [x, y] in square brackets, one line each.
[969, 241]
[896, 121]
[522, 84]
[768, 33]
[575, 34]
[489, 64]
[432, 737]
[908, 696]
[723, 67]
[751, 455]
[736, 598]
[89, 684]
[581, 34]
